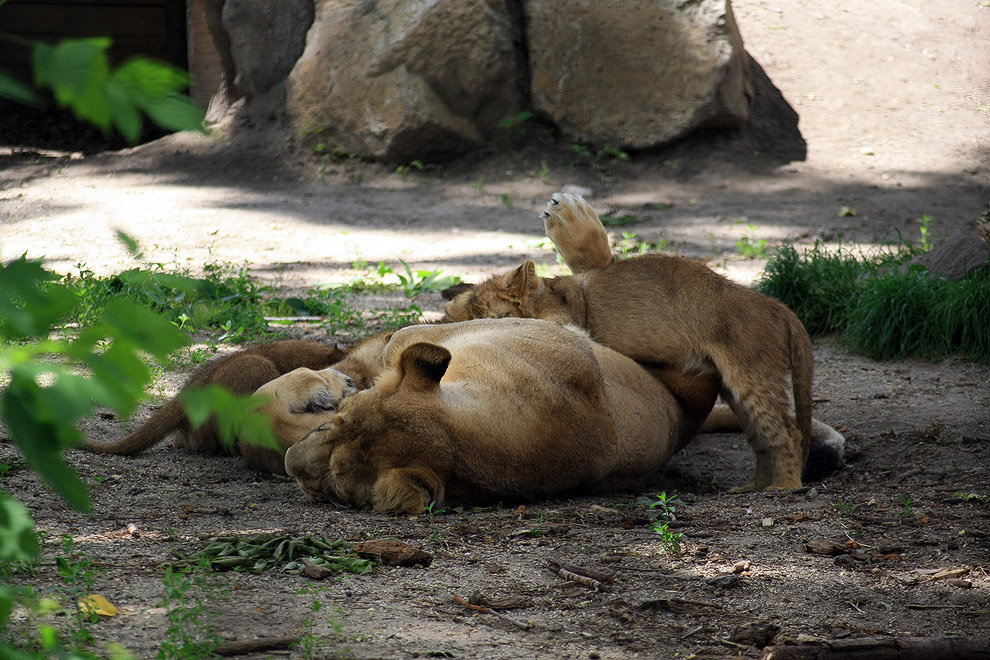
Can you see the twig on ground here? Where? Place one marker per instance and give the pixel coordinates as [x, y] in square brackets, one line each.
[871, 648]
[586, 576]
[246, 646]
[488, 610]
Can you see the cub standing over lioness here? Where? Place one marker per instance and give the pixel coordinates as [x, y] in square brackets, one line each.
[662, 309]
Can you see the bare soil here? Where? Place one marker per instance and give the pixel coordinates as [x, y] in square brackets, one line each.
[893, 98]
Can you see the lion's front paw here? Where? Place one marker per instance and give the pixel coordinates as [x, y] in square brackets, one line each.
[576, 231]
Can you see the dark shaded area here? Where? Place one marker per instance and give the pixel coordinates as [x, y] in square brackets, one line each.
[54, 128]
[771, 137]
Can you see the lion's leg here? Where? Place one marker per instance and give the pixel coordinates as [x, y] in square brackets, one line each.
[576, 231]
[764, 410]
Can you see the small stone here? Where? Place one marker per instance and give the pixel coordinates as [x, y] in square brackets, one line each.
[740, 566]
[767, 522]
[727, 581]
[819, 546]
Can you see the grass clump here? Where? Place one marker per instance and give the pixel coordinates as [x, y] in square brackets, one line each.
[878, 310]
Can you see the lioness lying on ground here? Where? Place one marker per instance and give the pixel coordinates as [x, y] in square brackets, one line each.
[661, 309]
[492, 411]
[242, 373]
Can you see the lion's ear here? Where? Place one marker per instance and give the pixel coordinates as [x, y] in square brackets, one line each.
[523, 281]
[422, 365]
[408, 490]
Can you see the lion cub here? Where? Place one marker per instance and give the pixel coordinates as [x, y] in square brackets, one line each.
[669, 310]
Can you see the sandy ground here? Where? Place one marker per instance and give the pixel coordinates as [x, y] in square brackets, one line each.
[894, 106]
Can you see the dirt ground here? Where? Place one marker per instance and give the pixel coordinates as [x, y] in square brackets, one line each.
[894, 105]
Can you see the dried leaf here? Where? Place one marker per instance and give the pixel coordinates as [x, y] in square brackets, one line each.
[97, 604]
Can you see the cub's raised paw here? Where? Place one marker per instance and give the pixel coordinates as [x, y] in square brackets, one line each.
[576, 231]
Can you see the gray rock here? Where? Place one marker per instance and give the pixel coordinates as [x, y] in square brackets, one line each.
[640, 77]
[266, 39]
[953, 258]
[402, 80]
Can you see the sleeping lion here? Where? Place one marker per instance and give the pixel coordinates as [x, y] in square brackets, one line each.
[490, 411]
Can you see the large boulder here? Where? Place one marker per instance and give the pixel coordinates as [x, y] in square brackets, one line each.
[266, 39]
[401, 80]
[639, 76]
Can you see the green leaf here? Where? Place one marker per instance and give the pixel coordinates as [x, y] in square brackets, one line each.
[76, 70]
[18, 541]
[30, 412]
[132, 245]
[26, 310]
[175, 112]
[14, 89]
[236, 417]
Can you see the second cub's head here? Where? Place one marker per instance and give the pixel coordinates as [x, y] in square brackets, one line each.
[506, 295]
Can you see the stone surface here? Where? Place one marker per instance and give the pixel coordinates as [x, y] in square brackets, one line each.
[266, 39]
[953, 258]
[401, 80]
[640, 77]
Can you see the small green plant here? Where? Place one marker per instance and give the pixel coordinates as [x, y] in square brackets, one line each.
[630, 245]
[544, 172]
[907, 505]
[601, 158]
[479, 184]
[751, 247]
[970, 497]
[846, 508]
[433, 514]
[404, 170]
[422, 281]
[516, 123]
[310, 643]
[505, 200]
[669, 540]
[925, 226]
[190, 600]
[257, 553]
[78, 574]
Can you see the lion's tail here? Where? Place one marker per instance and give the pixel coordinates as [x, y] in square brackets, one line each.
[802, 376]
[171, 417]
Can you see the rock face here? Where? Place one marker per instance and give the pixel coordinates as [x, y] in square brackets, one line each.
[400, 80]
[640, 76]
[266, 39]
[403, 80]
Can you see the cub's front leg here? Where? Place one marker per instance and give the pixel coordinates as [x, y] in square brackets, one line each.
[575, 229]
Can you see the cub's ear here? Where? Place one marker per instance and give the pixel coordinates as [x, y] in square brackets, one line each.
[408, 490]
[523, 281]
[452, 292]
[422, 365]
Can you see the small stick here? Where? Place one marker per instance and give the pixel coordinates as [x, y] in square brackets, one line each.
[604, 578]
[245, 646]
[488, 610]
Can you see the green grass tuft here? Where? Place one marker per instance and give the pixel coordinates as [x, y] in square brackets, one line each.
[879, 311]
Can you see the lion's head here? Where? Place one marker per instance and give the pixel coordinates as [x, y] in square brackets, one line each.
[519, 293]
[386, 446]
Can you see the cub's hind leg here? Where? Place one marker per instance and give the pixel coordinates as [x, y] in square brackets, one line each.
[577, 232]
[759, 398]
